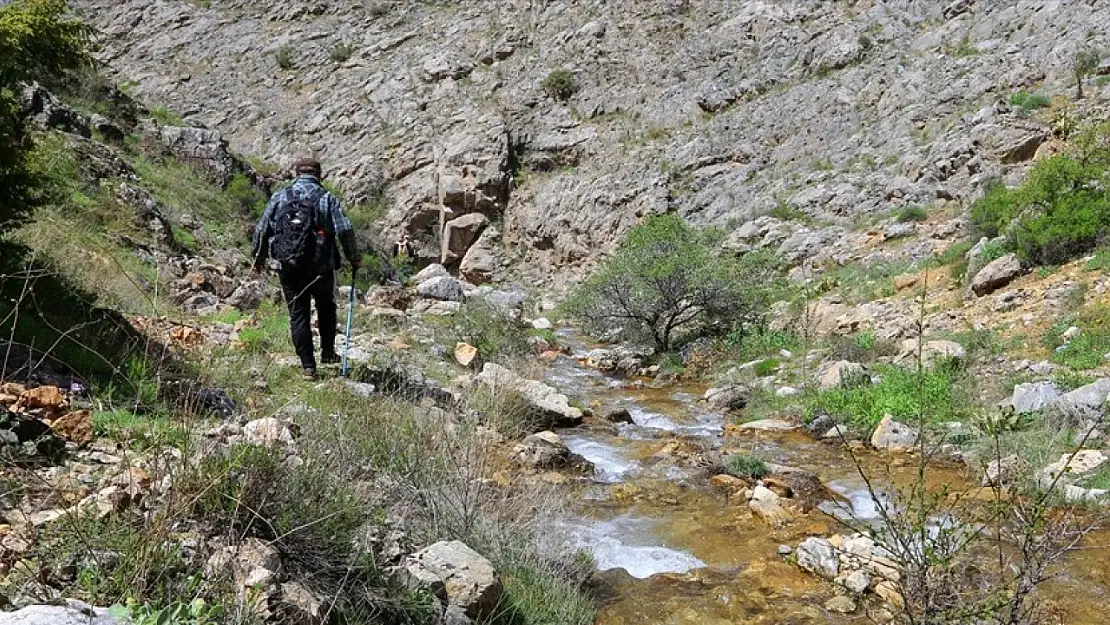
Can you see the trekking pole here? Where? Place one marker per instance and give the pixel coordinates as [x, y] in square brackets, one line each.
[350, 320]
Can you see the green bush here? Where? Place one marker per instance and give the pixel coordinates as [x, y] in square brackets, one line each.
[762, 342]
[939, 393]
[284, 58]
[341, 53]
[767, 367]
[497, 337]
[912, 213]
[39, 40]
[560, 84]
[1061, 210]
[744, 466]
[166, 117]
[669, 278]
[1027, 102]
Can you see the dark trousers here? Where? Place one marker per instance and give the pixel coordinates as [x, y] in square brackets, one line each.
[300, 288]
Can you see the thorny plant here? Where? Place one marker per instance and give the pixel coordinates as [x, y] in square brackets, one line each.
[971, 556]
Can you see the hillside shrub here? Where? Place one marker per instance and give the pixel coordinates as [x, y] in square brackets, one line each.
[669, 278]
[284, 58]
[341, 53]
[1027, 102]
[1062, 210]
[912, 213]
[560, 84]
[39, 40]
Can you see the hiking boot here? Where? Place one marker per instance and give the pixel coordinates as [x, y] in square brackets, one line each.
[308, 374]
[330, 358]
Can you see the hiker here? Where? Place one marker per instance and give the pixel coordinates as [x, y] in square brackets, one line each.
[404, 246]
[299, 230]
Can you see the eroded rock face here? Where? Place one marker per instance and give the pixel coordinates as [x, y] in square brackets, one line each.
[442, 106]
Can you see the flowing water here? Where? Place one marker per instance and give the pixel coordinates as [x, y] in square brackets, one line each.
[673, 550]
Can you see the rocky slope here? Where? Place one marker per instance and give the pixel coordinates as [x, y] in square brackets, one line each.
[721, 110]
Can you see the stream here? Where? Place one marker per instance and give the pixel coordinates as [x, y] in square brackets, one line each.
[674, 550]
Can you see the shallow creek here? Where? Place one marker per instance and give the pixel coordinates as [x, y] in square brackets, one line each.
[674, 550]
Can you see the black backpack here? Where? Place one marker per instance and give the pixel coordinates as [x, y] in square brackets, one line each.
[294, 242]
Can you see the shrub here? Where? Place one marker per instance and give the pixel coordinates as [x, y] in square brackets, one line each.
[166, 117]
[284, 57]
[762, 342]
[746, 467]
[1060, 211]
[767, 367]
[668, 277]
[939, 393]
[341, 53]
[864, 347]
[497, 337]
[788, 212]
[560, 84]
[1027, 102]
[912, 213]
[39, 40]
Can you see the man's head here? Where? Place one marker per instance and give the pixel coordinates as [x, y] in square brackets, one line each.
[307, 166]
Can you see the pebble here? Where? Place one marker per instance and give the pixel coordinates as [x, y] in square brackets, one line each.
[785, 550]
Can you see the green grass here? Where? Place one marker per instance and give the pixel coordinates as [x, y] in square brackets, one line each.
[745, 467]
[535, 596]
[767, 367]
[863, 347]
[140, 432]
[912, 213]
[941, 393]
[863, 282]
[1027, 102]
[762, 342]
[1087, 350]
[1100, 261]
[270, 335]
[788, 212]
[166, 117]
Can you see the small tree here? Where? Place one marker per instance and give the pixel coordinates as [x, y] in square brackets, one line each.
[669, 277]
[1085, 63]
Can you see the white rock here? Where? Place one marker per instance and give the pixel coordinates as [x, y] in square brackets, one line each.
[767, 425]
[818, 556]
[891, 435]
[542, 323]
[469, 580]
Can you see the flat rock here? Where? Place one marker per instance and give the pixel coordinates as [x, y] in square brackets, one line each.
[733, 397]
[841, 605]
[932, 352]
[72, 613]
[767, 425]
[1081, 462]
[1083, 401]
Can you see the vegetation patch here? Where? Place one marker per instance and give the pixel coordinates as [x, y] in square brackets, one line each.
[1061, 210]
[745, 467]
[937, 394]
[560, 85]
[1090, 347]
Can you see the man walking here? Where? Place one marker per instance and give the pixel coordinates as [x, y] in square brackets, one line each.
[299, 230]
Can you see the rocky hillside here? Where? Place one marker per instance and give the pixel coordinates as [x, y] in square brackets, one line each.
[564, 122]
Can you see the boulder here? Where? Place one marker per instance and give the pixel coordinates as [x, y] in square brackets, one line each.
[543, 323]
[891, 435]
[301, 605]
[997, 274]
[770, 507]
[818, 556]
[617, 415]
[1084, 401]
[733, 397]
[1002, 470]
[553, 405]
[858, 581]
[75, 427]
[468, 580]
[767, 425]
[932, 352]
[542, 451]
[888, 592]
[443, 288]
[47, 398]
[434, 270]
[1033, 396]
[482, 261]
[841, 372]
[459, 234]
[72, 613]
[205, 149]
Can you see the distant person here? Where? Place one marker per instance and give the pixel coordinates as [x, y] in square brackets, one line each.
[404, 248]
[404, 255]
[299, 230]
